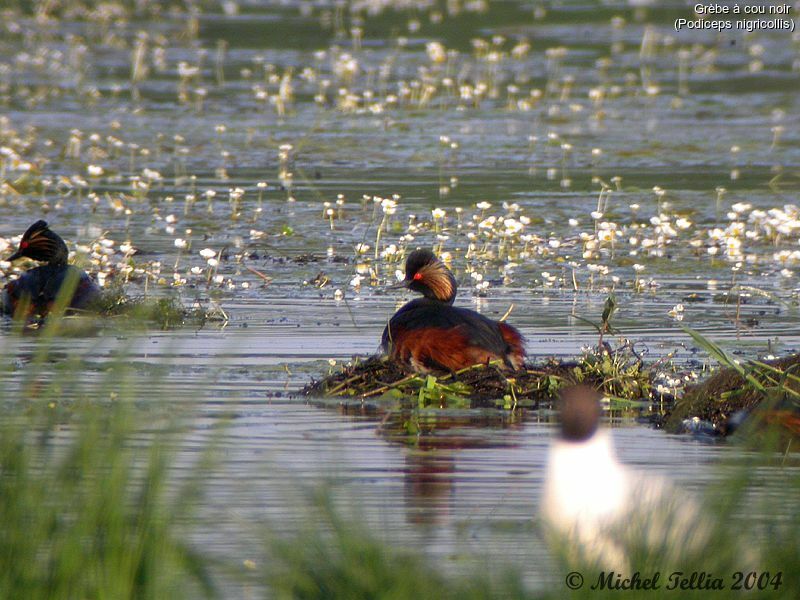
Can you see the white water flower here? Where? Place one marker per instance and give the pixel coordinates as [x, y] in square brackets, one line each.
[512, 226]
[676, 312]
[388, 206]
[151, 175]
[390, 251]
[605, 235]
[437, 53]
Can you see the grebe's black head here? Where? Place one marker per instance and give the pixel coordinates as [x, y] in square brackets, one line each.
[429, 276]
[580, 413]
[42, 244]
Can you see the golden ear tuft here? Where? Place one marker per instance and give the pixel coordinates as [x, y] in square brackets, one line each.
[437, 277]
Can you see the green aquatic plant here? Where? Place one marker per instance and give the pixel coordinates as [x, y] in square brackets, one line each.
[166, 312]
[604, 326]
[436, 393]
[620, 373]
[90, 510]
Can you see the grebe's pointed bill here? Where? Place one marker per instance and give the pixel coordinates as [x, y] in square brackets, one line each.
[15, 256]
[580, 413]
[40, 243]
[398, 285]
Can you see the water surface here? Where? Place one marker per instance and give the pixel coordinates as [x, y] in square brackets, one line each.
[687, 112]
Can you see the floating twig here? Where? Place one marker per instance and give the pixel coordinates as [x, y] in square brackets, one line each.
[266, 278]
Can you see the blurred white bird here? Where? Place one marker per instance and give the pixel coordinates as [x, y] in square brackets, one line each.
[597, 509]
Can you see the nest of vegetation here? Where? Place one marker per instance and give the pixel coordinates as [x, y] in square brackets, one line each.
[164, 312]
[768, 390]
[766, 393]
[619, 374]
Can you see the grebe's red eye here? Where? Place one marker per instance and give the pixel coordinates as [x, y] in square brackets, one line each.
[417, 276]
[23, 245]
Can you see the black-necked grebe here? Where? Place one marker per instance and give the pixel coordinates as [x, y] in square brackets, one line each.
[39, 287]
[430, 333]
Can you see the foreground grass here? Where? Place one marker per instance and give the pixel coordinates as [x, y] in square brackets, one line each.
[84, 514]
[87, 505]
[89, 509]
[743, 554]
[344, 560]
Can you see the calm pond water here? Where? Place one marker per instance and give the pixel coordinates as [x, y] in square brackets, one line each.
[132, 129]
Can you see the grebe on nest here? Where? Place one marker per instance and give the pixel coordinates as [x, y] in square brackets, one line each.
[429, 333]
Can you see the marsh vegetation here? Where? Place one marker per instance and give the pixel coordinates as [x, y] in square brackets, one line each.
[245, 179]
